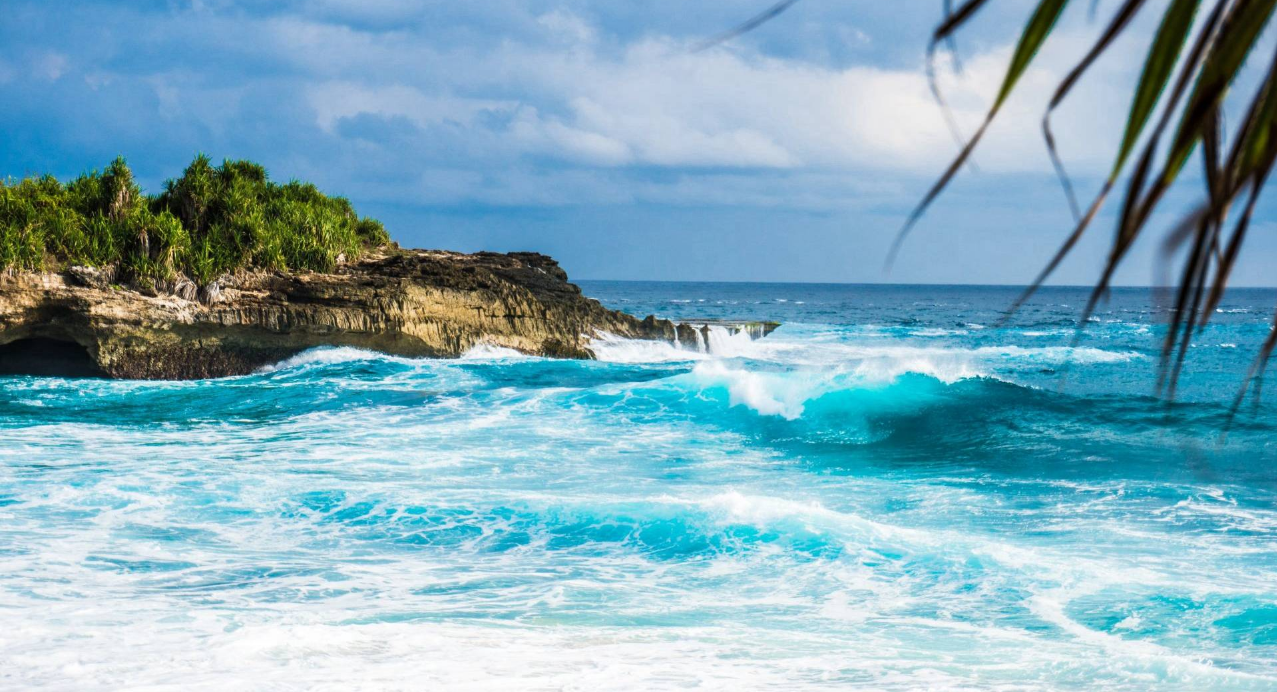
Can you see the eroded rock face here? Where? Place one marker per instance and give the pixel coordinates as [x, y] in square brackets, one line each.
[408, 303]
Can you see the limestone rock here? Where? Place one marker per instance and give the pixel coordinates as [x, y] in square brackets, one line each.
[93, 277]
[400, 302]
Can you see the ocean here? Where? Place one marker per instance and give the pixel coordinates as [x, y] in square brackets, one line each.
[894, 490]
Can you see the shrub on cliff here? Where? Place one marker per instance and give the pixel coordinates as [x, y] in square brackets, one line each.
[211, 220]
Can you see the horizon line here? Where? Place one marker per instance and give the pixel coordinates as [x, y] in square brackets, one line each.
[898, 284]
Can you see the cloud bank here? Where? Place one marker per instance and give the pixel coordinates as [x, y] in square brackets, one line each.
[534, 108]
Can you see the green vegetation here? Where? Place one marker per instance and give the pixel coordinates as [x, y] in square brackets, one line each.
[1192, 63]
[210, 221]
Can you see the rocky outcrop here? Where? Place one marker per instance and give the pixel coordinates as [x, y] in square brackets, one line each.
[401, 302]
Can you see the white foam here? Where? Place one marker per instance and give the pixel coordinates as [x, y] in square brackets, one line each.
[710, 340]
[769, 394]
[786, 394]
[877, 359]
[723, 343]
[953, 363]
[491, 352]
[766, 512]
[933, 332]
[946, 367]
[816, 366]
[346, 354]
[1059, 355]
[330, 356]
[610, 348]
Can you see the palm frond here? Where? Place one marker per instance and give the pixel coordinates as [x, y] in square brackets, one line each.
[745, 27]
[1115, 28]
[1035, 34]
[1221, 45]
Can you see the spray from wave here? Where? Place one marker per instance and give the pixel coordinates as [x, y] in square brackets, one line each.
[326, 356]
[779, 377]
[837, 505]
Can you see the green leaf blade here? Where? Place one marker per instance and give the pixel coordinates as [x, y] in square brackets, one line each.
[1164, 52]
[1035, 34]
[1236, 38]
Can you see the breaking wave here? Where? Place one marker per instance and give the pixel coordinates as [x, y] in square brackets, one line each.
[883, 496]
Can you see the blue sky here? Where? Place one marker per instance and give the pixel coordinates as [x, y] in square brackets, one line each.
[590, 131]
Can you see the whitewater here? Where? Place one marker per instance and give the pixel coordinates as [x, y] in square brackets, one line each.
[897, 489]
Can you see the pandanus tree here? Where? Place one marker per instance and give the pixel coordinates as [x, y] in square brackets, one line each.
[1196, 54]
[208, 222]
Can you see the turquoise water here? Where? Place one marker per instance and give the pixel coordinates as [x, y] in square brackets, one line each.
[891, 491]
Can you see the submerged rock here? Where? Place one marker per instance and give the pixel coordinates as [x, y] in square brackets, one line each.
[400, 302]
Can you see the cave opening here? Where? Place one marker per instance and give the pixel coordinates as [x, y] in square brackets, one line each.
[42, 357]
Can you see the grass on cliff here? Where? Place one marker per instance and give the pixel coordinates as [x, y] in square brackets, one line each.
[210, 221]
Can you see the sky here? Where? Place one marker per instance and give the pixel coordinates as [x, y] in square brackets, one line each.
[594, 132]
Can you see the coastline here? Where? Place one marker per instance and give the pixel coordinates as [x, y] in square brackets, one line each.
[398, 302]
[411, 303]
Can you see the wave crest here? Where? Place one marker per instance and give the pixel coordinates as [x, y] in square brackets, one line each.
[484, 352]
[330, 356]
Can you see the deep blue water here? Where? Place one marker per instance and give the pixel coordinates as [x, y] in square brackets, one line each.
[891, 491]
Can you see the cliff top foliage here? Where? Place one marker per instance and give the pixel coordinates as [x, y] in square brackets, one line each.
[210, 221]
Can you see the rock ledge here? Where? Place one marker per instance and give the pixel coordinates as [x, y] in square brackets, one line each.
[400, 302]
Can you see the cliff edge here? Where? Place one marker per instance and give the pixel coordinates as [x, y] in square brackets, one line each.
[400, 302]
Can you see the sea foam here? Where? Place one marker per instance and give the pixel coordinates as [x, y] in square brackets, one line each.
[830, 507]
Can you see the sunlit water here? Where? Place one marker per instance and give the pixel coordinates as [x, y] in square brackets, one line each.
[891, 491]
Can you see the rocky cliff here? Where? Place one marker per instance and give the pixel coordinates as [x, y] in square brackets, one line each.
[401, 302]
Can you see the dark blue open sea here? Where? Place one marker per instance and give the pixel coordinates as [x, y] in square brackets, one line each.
[891, 492]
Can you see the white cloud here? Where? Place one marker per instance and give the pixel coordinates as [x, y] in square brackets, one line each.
[564, 25]
[528, 185]
[50, 66]
[551, 137]
[556, 88]
[506, 103]
[655, 104]
[335, 100]
[676, 108]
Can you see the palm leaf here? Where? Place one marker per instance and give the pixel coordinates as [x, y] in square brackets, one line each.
[1115, 28]
[1131, 208]
[1162, 56]
[954, 20]
[1035, 34]
[1224, 41]
[1237, 36]
[1252, 160]
[745, 27]
[1171, 36]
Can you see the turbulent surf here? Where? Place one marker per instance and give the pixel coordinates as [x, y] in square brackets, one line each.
[894, 490]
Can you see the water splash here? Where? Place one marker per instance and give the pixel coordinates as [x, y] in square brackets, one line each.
[832, 506]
